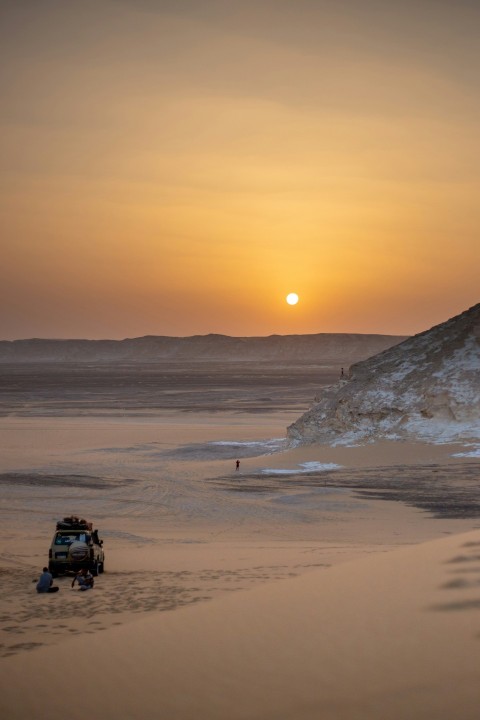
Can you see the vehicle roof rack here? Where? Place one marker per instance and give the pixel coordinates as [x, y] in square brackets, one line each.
[74, 523]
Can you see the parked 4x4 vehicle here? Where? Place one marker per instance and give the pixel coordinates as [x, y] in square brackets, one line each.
[75, 545]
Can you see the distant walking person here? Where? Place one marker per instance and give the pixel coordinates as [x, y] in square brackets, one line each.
[342, 374]
[45, 583]
[237, 465]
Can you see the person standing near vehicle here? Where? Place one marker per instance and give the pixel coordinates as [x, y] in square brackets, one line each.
[45, 582]
[84, 579]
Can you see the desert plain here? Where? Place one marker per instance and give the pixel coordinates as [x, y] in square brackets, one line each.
[322, 581]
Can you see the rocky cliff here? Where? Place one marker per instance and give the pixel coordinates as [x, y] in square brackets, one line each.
[427, 387]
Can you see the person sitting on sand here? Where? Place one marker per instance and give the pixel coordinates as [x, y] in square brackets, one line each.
[84, 579]
[45, 582]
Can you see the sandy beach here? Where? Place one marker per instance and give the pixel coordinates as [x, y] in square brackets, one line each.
[312, 582]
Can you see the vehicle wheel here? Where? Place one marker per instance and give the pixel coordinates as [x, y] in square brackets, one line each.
[95, 569]
[53, 571]
[101, 567]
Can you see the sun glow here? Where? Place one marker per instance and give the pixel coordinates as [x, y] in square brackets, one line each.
[292, 298]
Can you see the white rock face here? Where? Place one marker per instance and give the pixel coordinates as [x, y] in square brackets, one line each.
[427, 387]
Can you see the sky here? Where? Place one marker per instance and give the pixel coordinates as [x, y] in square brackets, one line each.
[177, 167]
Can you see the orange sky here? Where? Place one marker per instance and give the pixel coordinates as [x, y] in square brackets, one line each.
[177, 167]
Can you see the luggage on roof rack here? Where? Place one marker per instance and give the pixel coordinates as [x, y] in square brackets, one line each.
[74, 523]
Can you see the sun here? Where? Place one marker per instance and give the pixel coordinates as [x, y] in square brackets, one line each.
[292, 298]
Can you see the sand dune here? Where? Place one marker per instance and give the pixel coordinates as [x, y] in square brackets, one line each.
[394, 635]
